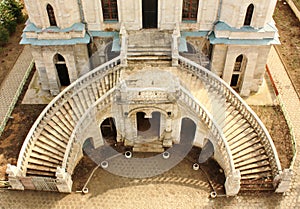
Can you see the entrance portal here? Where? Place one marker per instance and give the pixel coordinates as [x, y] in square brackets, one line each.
[150, 13]
[148, 127]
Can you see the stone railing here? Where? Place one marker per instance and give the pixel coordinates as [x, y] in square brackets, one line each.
[71, 156]
[218, 137]
[109, 76]
[175, 45]
[235, 100]
[124, 45]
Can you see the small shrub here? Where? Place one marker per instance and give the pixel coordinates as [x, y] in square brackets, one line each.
[4, 35]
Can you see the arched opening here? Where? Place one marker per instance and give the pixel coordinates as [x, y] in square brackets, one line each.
[62, 70]
[109, 53]
[207, 152]
[187, 131]
[109, 131]
[51, 15]
[148, 127]
[238, 69]
[249, 15]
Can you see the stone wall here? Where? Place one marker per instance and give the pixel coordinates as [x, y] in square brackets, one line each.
[224, 58]
[76, 58]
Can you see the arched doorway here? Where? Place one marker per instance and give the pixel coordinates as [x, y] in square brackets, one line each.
[150, 13]
[148, 127]
[109, 131]
[62, 70]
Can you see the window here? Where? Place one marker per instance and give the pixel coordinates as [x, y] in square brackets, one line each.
[110, 10]
[190, 10]
[51, 15]
[239, 65]
[249, 14]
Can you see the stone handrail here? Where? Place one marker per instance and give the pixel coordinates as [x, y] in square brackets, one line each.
[231, 96]
[175, 45]
[208, 119]
[81, 123]
[124, 45]
[55, 104]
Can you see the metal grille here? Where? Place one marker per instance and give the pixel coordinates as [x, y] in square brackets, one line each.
[44, 184]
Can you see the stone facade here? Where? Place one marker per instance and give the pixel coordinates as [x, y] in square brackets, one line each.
[82, 26]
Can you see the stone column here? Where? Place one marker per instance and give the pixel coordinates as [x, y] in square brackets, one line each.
[13, 174]
[168, 133]
[233, 183]
[63, 181]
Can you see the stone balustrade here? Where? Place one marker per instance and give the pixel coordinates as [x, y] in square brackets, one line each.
[71, 104]
[235, 100]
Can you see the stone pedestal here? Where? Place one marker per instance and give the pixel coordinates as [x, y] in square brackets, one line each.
[63, 181]
[284, 179]
[233, 183]
[13, 174]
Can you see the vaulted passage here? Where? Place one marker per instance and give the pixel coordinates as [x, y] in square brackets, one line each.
[108, 129]
[148, 127]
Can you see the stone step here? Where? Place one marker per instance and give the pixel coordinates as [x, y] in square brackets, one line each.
[132, 48]
[259, 186]
[247, 139]
[260, 170]
[245, 146]
[237, 124]
[39, 173]
[50, 140]
[254, 165]
[148, 149]
[48, 158]
[51, 149]
[146, 54]
[252, 155]
[239, 134]
[149, 58]
[241, 152]
[40, 168]
[42, 162]
[257, 176]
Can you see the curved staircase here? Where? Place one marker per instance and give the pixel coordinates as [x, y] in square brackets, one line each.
[252, 149]
[242, 138]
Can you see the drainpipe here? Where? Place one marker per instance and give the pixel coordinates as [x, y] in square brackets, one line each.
[218, 18]
[82, 19]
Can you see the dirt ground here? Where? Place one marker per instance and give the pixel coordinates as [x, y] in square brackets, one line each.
[16, 130]
[274, 121]
[289, 26]
[10, 52]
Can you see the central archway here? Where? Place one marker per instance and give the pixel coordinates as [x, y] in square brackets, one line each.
[148, 127]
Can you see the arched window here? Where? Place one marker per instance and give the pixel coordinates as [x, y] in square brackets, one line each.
[190, 10]
[51, 15]
[249, 14]
[238, 69]
[110, 10]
